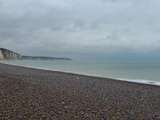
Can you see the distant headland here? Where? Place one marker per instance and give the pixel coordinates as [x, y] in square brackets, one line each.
[6, 54]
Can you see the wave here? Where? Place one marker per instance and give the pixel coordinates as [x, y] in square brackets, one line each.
[141, 81]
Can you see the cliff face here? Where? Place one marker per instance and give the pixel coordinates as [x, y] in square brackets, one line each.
[8, 54]
[1, 55]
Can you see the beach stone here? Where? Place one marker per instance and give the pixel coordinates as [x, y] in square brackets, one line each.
[156, 117]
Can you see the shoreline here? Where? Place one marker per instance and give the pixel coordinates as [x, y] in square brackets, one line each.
[30, 94]
[138, 81]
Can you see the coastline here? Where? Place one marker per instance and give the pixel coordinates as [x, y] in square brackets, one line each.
[138, 81]
[27, 93]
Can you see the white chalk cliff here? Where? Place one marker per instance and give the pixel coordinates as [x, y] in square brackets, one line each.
[8, 54]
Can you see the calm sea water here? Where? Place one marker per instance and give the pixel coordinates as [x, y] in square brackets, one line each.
[137, 70]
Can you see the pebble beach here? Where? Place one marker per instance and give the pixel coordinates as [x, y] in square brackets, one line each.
[35, 94]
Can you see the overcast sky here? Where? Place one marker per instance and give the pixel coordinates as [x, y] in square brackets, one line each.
[79, 26]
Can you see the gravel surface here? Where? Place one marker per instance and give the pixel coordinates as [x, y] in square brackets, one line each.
[32, 94]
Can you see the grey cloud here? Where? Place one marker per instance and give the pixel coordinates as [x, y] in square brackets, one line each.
[62, 26]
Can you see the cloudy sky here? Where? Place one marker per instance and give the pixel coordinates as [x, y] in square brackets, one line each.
[51, 27]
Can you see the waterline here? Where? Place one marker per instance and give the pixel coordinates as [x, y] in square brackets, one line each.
[140, 81]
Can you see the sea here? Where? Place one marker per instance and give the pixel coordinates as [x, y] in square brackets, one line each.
[139, 71]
